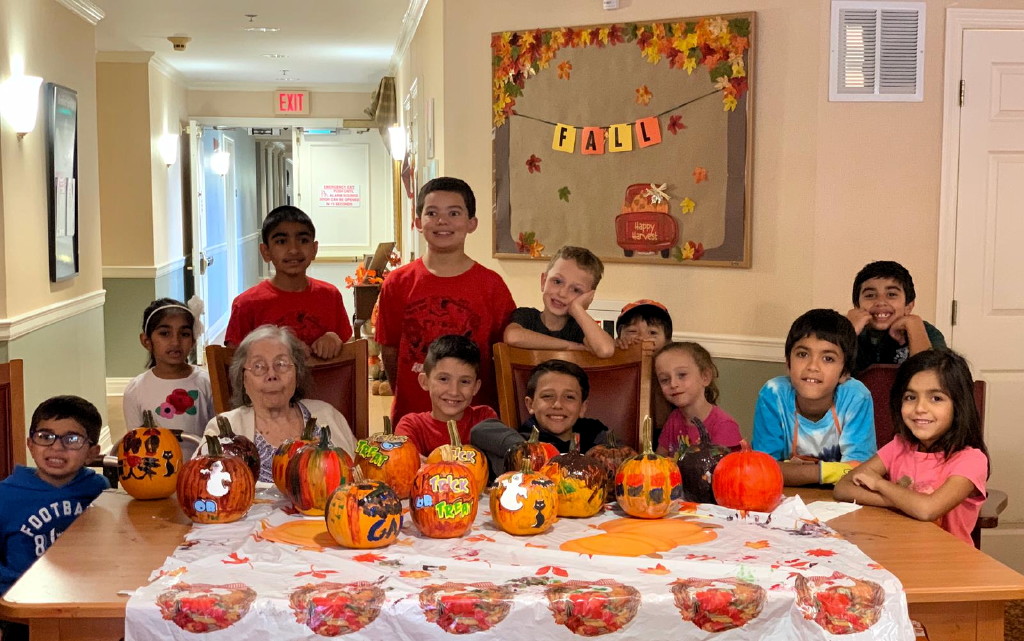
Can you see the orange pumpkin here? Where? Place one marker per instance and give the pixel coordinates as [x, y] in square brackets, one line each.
[748, 480]
[648, 486]
[364, 514]
[467, 455]
[389, 458]
[215, 488]
[238, 445]
[611, 455]
[286, 450]
[315, 471]
[532, 450]
[149, 460]
[524, 502]
[444, 500]
[579, 480]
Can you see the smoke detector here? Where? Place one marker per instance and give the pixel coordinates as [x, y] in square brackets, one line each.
[179, 42]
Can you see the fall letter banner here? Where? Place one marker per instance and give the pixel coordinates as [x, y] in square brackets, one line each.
[629, 139]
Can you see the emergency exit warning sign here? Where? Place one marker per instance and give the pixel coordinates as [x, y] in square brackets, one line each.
[339, 196]
[291, 103]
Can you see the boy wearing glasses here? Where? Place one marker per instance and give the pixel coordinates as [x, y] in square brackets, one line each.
[38, 504]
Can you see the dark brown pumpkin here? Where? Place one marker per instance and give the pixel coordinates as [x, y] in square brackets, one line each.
[532, 451]
[580, 482]
[697, 463]
[610, 455]
[238, 445]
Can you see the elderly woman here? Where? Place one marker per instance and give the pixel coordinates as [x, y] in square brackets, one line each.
[269, 379]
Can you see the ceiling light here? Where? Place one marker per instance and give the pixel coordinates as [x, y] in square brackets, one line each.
[262, 29]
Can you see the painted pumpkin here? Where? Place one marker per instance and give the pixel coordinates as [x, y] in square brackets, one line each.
[579, 480]
[364, 514]
[287, 449]
[524, 502]
[467, 455]
[697, 463]
[389, 458]
[444, 499]
[214, 488]
[237, 445]
[537, 454]
[610, 455]
[315, 471]
[648, 486]
[149, 460]
[748, 480]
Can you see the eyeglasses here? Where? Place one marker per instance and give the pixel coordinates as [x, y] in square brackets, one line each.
[71, 440]
[261, 368]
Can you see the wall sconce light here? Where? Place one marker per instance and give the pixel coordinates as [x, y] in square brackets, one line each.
[19, 102]
[220, 163]
[396, 140]
[168, 146]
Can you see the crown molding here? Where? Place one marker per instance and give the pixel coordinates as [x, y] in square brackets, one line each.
[410, 23]
[137, 57]
[18, 326]
[164, 67]
[272, 86]
[144, 271]
[88, 11]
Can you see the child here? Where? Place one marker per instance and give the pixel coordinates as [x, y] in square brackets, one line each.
[177, 392]
[451, 377]
[687, 376]
[556, 397]
[643, 320]
[444, 292]
[817, 421]
[883, 297]
[567, 288]
[38, 504]
[936, 466]
[312, 308]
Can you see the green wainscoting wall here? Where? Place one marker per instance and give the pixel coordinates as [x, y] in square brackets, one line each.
[739, 381]
[122, 318]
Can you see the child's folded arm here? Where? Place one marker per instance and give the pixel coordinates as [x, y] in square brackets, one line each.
[597, 341]
[927, 507]
[518, 336]
[852, 486]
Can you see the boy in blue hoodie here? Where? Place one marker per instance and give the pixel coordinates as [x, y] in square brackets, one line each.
[38, 504]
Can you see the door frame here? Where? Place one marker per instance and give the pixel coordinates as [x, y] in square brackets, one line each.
[957, 21]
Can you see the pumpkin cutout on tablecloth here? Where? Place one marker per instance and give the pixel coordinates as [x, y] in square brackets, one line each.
[648, 486]
[315, 471]
[149, 460]
[579, 480]
[214, 488]
[537, 454]
[389, 458]
[287, 449]
[364, 514]
[611, 454]
[334, 609]
[697, 463]
[238, 445]
[444, 500]
[467, 455]
[748, 480]
[524, 502]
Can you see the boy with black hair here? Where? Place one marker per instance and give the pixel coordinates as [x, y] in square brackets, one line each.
[38, 504]
[450, 377]
[312, 308]
[556, 397]
[443, 292]
[887, 331]
[643, 320]
[817, 421]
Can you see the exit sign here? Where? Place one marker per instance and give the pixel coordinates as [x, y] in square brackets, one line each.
[291, 102]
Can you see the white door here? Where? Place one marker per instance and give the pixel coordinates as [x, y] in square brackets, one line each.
[989, 265]
[198, 263]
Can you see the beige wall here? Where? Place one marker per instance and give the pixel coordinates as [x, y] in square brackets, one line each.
[260, 104]
[168, 112]
[59, 46]
[835, 185]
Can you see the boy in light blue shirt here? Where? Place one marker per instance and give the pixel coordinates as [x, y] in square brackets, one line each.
[817, 422]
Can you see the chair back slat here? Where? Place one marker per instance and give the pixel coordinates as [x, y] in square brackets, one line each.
[12, 417]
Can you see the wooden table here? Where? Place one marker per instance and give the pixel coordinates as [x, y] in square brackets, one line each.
[72, 592]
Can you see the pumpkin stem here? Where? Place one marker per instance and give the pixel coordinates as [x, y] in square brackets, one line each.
[705, 439]
[389, 429]
[357, 475]
[147, 419]
[325, 438]
[526, 468]
[534, 436]
[213, 447]
[646, 434]
[309, 429]
[453, 434]
[574, 444]
[225, 427]
[744, 446]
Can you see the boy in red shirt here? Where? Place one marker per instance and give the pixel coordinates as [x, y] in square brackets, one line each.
[451, 377]
[444, 292]
[312, 308]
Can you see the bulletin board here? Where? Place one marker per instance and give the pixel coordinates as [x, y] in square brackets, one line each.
[630, 139]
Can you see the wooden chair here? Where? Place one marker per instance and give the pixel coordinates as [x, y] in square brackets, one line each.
[620, 386]
[12, 417]
[342, 381]
[879, 380]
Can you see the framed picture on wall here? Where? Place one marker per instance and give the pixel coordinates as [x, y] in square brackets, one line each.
[62, 173]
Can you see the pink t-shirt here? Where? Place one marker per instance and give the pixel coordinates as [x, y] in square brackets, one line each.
[721, 427]
[427, 433]
[927, 471]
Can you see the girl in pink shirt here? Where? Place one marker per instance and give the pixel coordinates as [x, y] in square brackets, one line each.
[936, 467]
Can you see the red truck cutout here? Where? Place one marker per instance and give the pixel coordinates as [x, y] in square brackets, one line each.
[645, 224]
